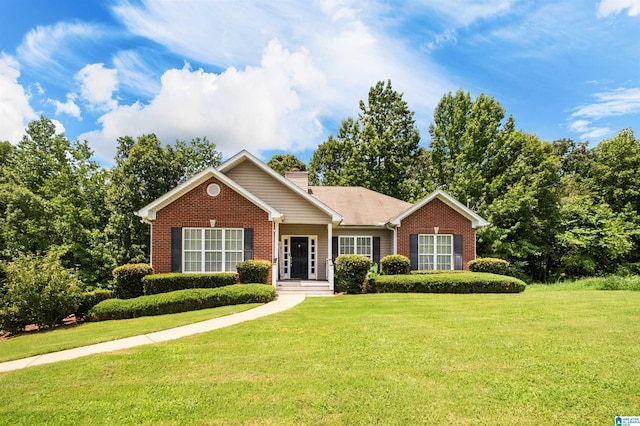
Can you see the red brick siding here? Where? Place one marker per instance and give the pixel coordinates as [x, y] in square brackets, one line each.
[196, 208]
[438, 214]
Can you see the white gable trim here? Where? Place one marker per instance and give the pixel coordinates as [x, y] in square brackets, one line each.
[336, 218]
[148, 212]
[476, 220]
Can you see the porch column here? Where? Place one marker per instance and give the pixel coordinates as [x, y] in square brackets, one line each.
[329, 262]
[275, 270]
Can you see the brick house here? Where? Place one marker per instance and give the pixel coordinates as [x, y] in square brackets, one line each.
[244, 210]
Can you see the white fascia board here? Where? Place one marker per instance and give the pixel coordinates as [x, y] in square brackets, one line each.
[148, 212]
[476, 220]
[336, 218]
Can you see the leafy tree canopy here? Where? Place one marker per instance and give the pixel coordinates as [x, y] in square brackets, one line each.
[283, 163]
[379, 150]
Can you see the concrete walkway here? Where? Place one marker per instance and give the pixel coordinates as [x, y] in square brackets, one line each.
[282, 303]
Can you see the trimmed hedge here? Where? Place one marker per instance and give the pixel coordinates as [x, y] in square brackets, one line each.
[253, 271]
[395, 264]
[447, 282]
[181, 301]
[164, 283]
[351, 273]
[128, 279]
[89, 299]
[490, 265]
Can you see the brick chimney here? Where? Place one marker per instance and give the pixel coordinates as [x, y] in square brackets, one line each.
[299, 177]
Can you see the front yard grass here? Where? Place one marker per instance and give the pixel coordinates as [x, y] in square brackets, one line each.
[535, 358]
[88, 333]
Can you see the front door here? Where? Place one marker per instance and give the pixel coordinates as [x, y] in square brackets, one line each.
[300, 258]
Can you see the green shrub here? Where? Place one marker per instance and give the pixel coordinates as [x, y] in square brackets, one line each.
[617, 282]
[448, 282]
[182, 301]
[89, 299]
[351, 272]
[128, 279]
[254, 271]
[490, 265]
[164, 283]
[395, 264]
[38, 290]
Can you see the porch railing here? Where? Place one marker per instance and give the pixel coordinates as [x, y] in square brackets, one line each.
[330, 274]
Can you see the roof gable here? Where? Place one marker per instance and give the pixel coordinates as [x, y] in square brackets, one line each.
[475, 219]
[244, 156]
[148, 212]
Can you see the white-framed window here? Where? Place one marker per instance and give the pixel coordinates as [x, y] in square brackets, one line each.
[212, 249]
[356, 245]
[435, 252]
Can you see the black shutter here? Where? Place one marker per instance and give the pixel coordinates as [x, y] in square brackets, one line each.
[457, 252]
[334, 248]
[376, 251]
[248, 244]
[176, 249]
[413, 251]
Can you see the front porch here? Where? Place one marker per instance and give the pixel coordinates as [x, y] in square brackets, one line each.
[306, 287]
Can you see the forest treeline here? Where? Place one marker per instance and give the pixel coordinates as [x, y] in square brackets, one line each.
[556, 209]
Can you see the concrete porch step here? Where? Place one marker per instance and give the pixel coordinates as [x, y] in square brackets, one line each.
[309, 288]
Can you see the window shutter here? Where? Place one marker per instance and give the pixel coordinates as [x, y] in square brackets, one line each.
[248, 244]
[334, 248]
[376, 251]
[413, 251]
[176, 249]
[457, 252]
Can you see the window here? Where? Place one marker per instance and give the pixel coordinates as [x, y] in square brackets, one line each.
[212, 249]
[435, 252]
[355, 245]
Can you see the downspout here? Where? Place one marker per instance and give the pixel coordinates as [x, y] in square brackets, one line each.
[393, 229]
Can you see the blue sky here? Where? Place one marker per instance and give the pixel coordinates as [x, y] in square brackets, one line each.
[280, 76]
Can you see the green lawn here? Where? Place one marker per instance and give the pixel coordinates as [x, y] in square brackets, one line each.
[96, 332]
[536, 358]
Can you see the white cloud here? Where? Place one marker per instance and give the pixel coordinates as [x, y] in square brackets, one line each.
[69, 107]
[617, 102]
[274, 95]
[257, 108]
[97, 85]
[42, 44]
[613, 7]
[15, 109]
[135, 73]
[465, 12]
[587, 131]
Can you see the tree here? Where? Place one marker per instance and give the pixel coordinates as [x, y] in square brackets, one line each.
[592, 238]
[614, 171]
[379, 151]
[283, 163]
[144, 171]
[58, 199]
[507, 176]
[614, 179]
[39, 290]
[329, 160]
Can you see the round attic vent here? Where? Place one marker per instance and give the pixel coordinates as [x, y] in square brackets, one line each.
[213, 190]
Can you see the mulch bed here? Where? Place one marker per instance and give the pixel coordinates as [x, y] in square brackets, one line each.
[32, 328]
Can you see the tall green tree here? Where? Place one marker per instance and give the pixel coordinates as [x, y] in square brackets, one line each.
[144, 170]
[592, 237]
[614, 179]
[509, 177]
[60, 191]
[380, 150]
[283, 163]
